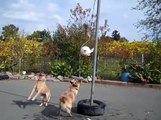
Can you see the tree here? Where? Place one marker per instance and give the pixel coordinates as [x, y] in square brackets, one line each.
[9, 31]
[40, 36]
[152, 21]
[70, 38]
[50, 49]
[19, 52]
[116, 35]
[21, 48]
[104, 29]
[123, 39]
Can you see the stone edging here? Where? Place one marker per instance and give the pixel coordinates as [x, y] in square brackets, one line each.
[98, 81]
[128, 84]
[120, 83]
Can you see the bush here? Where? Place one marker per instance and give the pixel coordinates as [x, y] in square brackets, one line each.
[4, 67]
[59, 67]
[86, 70]
[147, 73]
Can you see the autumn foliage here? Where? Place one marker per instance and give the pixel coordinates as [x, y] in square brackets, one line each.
[62, 48]
[129, 49]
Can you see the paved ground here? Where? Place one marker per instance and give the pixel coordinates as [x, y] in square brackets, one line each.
[123, 103]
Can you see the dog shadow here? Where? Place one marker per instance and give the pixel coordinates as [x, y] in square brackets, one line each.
[23, 104]
[52, 112]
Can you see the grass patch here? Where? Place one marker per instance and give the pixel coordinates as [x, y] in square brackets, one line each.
[109, 69]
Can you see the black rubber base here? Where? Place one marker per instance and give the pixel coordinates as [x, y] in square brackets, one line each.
[96, 109]
[2, 77]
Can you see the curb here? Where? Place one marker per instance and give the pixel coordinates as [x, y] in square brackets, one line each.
[110, 82]
[128, 84]
[120, 83]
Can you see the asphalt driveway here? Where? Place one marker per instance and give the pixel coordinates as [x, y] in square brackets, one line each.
[123, 103]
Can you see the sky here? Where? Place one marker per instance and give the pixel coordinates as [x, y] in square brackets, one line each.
[32, 15]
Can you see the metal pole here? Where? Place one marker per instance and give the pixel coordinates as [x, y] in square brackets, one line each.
[142, 59]
[95, 52]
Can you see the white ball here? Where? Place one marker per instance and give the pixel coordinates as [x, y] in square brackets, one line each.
[24, 72]
[86, 51]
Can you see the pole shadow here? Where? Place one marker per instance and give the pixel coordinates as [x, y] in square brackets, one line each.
[10, 93]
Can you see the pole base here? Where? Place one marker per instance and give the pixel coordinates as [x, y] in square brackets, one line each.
[96, 109]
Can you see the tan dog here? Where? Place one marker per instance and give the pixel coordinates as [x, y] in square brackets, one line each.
[40, 88]
[68, 97]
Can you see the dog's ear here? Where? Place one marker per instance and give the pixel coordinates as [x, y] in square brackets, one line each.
[72, 81]
[36, 77]
[80, 81]
[42, 78]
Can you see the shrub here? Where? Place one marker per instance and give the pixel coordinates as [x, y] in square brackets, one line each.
[147, 73]
[59, 67]
[2, 67]
[86, 70]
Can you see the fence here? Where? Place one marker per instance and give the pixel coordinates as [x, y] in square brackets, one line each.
[108, 67]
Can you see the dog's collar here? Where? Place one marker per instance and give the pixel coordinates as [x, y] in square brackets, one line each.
[76, 88]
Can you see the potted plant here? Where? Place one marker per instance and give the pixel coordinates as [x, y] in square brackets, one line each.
[125, 74]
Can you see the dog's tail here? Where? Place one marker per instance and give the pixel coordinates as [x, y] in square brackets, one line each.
[63, 99]
[63, 103]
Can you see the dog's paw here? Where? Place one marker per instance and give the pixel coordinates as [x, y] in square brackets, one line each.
[41, 104]
[46, 104]
[70, 115]
[33, 99]
[28, 99]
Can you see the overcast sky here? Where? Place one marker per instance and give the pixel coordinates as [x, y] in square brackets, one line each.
[31, 15]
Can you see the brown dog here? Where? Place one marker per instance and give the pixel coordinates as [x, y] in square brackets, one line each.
[40, 88]
[68, 97]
